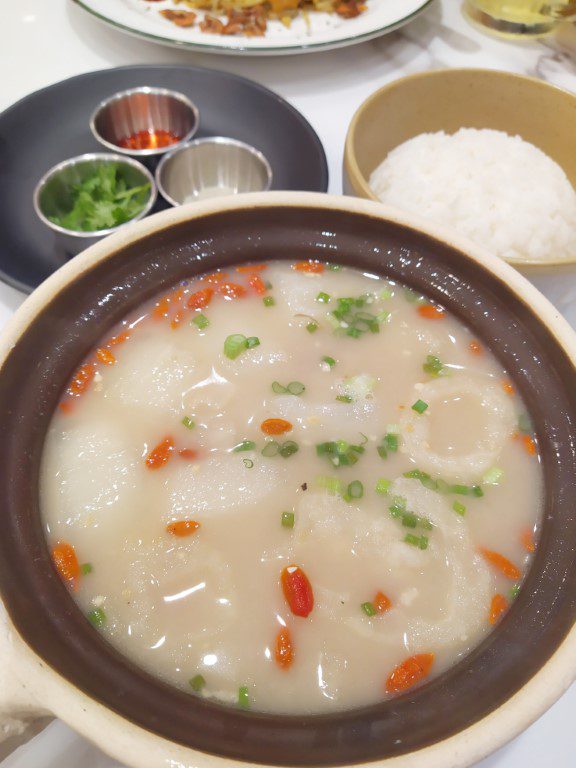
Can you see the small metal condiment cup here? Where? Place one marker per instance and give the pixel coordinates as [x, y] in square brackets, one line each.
[212, 167]
[52, 195]
[127, 113]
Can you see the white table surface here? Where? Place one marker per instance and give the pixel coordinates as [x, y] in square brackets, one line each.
[43, 41]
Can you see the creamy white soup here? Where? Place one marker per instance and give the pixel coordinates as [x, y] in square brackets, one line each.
[292, 487]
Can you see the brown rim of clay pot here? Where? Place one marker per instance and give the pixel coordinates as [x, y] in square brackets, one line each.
[62, 329]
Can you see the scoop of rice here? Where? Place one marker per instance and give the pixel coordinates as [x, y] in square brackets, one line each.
[500, 191]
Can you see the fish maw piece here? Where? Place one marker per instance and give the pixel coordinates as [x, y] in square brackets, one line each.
[89, 474]
[324, 421]
[460, 581]
[152, 373]
[488, 422]
[222, 482]
[299, 292]
[180, 591]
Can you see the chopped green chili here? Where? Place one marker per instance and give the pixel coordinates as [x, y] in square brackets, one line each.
[420, 406]
[188, 422]
[86, 568]
[243, 697]
[433, 365]
[248, 463]
[383, 486]
[459, 508]
[245, 445]
[197, 683]
[345, 398]
[368, 609]
[268, 301]
[97, 617]
[323, 298]
[329, 361]
[201, 322]
[287, 519]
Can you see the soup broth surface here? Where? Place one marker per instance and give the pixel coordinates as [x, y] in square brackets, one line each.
[292, 487]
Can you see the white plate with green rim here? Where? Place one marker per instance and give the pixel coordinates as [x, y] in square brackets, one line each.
[315, 32]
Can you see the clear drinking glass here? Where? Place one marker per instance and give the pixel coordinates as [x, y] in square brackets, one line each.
[519, 18]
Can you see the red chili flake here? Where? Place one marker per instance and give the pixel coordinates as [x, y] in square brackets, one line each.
[257, 284]
[188, 454]
[200, 299]
[81, 379]
[501, 563]
[231, 290]
[382, 603]
[251, 268]
[66, 562]
[283, 651]
[105, 356]
[275, 426]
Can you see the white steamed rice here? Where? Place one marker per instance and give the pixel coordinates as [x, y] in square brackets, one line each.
[500, 191]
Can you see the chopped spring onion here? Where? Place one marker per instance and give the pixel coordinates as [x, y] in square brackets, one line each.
[383, 316]
[459, 508]
[466, 490]
[278, 389]
[331, 484]
[389, 444]
[287, 449]
[383, 486]
[86, 568]
[514, 591]
[234, 345]
[97, 617]
[334, 267]
[248, 463]
[398, 506]
[433, 365]
[312, 327]
[287, 519]
[416, 541]
[412, 297]
[296, 388]
[329, 361]
[268, 285]
[340, 453]
[270, 449]
[245, 445]
[368, 609]
[252, 341]
[355, 490]
[197, 683]
[243, 697]
[385, 294]
[424, 477]
[201, 322]
[268, 301]
[188, 422]
[409, 520]
[323, 298]
[493, 476]
[420, 406]
[525, 424]
[345, 398]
